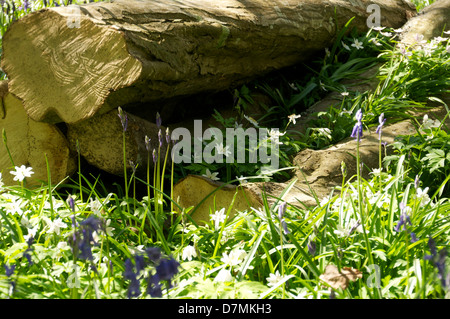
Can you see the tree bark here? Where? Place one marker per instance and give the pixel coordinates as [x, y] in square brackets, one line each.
[29, 143]
[69, 63]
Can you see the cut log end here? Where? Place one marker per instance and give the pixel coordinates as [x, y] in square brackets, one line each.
[32, 144]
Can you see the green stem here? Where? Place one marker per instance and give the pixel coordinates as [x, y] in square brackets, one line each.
[125, 170]
[361, 207]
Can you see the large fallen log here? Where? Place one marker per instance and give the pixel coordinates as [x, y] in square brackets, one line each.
[69, 63]
[29, 143]
[100, 142]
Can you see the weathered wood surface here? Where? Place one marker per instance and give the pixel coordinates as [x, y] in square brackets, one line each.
[100, 142]
[68, 63]
[29, 142]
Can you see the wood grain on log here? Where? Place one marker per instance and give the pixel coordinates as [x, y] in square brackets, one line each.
[128, 51]
[29, 142]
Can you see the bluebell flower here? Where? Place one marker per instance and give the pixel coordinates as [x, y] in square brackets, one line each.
[357, 131]
[154, 286]
[26, 4]
[284, 225]
[140, 263]
[438, 259]
[158, 120]
[128, 273]
[167, 136]
[9, 270]
[413, 237]
[404, 219]
[71, 203]
[160, 138]
[166, 269]
[153, 253]
[282, 210]
[147, 143]
[82, 239]
[311, 247]
[381, 120]
[27, 252]
[123, 118]
[155, 158]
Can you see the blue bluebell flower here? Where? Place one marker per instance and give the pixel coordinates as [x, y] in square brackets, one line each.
[154, 286]
[404, 219]
[381, 120]
[82, 239]
[140, 263]
[357, 131]
[153, 253]
[167, 268]
[9, 270]
[71, 203]
[160, 138]
[26, 5]
[438, 260]
[27, 252]
[155, 158]
[168, 136]
[147, 143]
[282, 210]
[311, 247]
[158, 120]
[123, 118]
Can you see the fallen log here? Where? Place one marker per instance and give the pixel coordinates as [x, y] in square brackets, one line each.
[29, 143]
[100, 141]
[69, 63]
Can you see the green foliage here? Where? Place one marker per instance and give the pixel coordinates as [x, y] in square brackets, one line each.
[427, 155]
[389, 226]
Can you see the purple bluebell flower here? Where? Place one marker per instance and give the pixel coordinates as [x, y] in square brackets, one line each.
[82, 239]
[9, 270]
[147, 143]
[139, 260]
[71, 203]
[438, 259]
[153, 253]
[155, 158]
[284, 225]
[404, 219]
[311, 247]
[160, 138]
[154, 286]
[167, 268]
[413, 237]
[381, 120]
[357, 131]
[27, 252]
[26, 4]
[353, 228]
[128, 273]
[167, 136]
[123, 119]
[282, 210]
[158, 120]
[416, 182]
